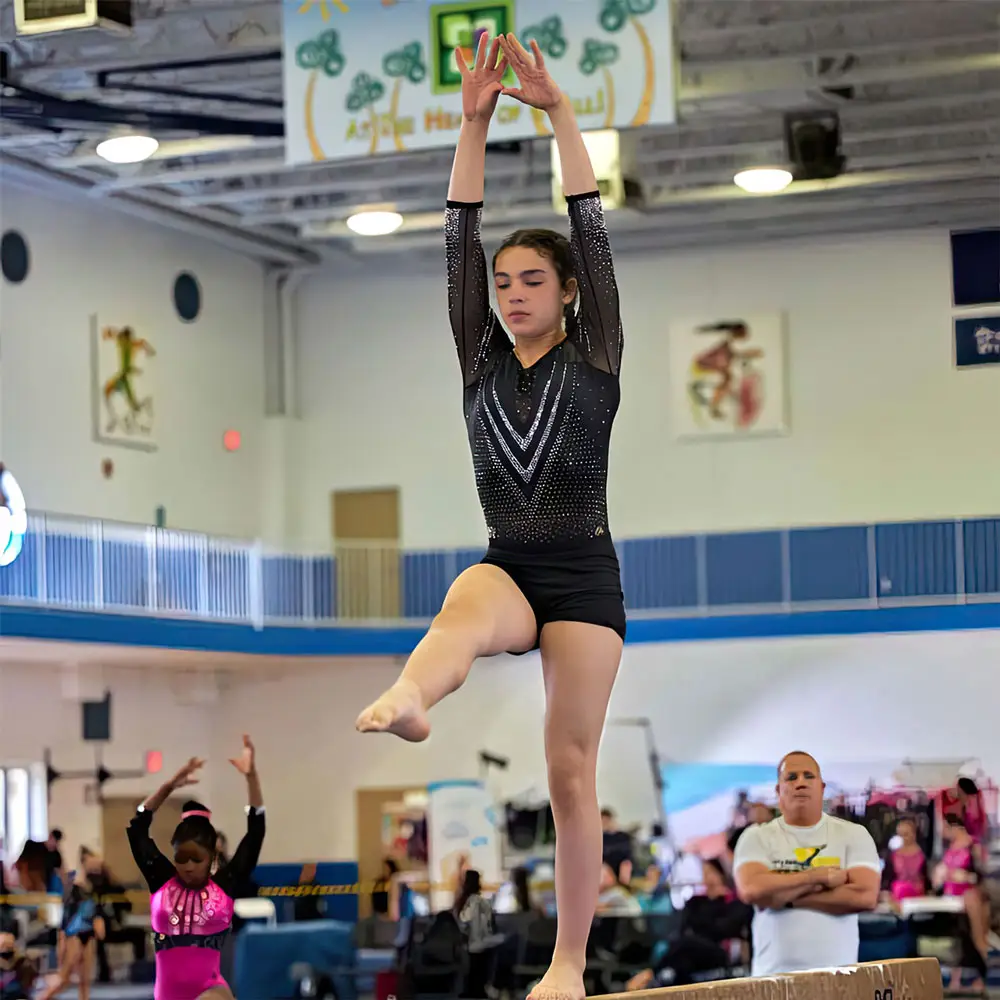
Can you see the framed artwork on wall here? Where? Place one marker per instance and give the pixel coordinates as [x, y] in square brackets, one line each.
[975, 268]
[977, 341]
[123, 386]
[728, 376]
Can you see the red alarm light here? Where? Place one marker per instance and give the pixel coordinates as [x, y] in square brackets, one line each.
[154, 762]
[231, 440]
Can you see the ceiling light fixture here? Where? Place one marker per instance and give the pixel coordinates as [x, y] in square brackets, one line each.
[763, 180]
[127, 148]
[372, 223]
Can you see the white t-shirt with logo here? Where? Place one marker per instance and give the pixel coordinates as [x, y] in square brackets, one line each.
[796, 940]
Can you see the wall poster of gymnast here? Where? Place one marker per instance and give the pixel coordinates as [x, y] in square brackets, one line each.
[728, 376]
[123, 380]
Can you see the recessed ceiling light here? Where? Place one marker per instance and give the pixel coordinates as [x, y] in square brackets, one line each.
[374, 223]
[127, 148]
[763, 180]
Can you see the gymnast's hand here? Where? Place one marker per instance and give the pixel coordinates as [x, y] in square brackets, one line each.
[186, 775]
[246, 763]
[481, 85]
[538, 89]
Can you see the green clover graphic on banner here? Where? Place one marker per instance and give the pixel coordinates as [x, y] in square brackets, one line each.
[549, 35]
[406, 63]
[614, 15]
[597, 55]
[322, 53]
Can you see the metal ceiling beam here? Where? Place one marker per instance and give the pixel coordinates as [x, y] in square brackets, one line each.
[758, 233]
[174, 149]
[845, 47]
[671, 229]
[671, 217]
[37, 179]
[348, 185]
[875, 178]
[31, 106]
[213, 145]
[528, 200]
[781, 76]
[891, 12]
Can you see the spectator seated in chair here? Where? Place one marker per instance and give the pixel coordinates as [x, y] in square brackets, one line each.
[907, 868]
[710, 923]
[17, 972]
[958, 875]
[616, 898]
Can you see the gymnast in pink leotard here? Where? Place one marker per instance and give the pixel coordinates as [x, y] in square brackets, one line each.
[909, 865]
[191, 909]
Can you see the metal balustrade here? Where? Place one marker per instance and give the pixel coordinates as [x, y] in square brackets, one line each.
[78, 564]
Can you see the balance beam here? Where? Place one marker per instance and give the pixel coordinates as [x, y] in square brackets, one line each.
[909, 979]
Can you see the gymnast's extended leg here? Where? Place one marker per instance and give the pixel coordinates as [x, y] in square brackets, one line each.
[483, 614]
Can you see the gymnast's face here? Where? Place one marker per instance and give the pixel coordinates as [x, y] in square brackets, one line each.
[193, 863]
[530, 294]
[7, 950]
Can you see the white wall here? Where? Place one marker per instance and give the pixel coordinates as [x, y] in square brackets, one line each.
[151, 710]
[85, 258]
[927, 697]
[883, 426]
[734, 702]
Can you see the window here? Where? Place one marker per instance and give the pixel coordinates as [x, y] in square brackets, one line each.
[23, 808]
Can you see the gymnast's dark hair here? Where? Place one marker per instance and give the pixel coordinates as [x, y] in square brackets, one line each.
[195, 829]
[471, 886]
[548, 243]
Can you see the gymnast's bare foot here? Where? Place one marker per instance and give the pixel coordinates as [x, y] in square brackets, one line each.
[399, 711]
[562, 981]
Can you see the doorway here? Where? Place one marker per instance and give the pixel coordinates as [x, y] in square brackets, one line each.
[116, 814]
[366, 547]
[370, 807]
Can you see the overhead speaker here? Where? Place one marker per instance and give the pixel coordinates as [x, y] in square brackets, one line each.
[813, 145]
[48, 17]
[96, 719]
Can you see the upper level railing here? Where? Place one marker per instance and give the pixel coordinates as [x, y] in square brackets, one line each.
[101, 566]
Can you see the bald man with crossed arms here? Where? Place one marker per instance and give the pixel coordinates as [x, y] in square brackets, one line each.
[808, 875]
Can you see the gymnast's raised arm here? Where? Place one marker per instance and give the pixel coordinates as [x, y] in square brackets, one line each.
[475, 326]
[597, 331]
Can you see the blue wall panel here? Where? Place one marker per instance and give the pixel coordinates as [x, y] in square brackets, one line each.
[284, 585]
[829, 564]
[69, 569]
[916, 560]
[19, 581]
[229, 583]
[659, 572]
[324, 573]
[425, 582]
[744, 568]
[982, 556]
[125, 574]
[427, 577]
[178, 588]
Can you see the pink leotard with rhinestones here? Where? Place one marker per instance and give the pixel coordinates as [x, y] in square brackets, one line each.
[179, 914]
[190, 926]
[909, 871]
[958, 859]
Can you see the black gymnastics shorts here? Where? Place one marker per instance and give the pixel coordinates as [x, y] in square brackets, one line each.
[577, 584]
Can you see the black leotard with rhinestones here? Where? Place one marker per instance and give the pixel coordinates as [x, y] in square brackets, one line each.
[540, 436]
